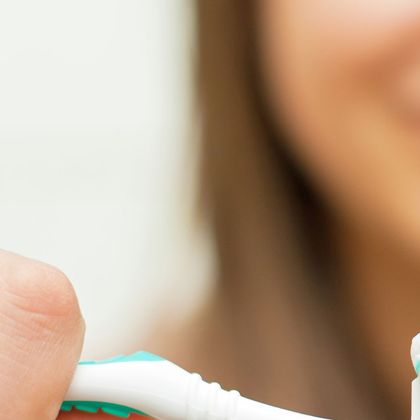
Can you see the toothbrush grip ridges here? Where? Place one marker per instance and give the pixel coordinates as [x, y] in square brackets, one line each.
[209, 401]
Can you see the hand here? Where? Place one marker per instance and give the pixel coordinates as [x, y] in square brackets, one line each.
[41, 335]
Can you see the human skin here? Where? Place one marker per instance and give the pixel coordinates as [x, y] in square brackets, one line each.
[41, 336]
[343, 78]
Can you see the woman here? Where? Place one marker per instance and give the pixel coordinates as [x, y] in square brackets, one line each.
[311, 171]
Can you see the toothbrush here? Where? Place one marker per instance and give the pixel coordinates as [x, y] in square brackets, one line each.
[146, 384]
[415, 388]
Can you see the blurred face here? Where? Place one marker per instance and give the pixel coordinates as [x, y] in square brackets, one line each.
[344, 78]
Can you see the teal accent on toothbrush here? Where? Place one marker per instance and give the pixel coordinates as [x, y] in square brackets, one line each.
[417, 368]
[141, 356]
[109, 408]
[96, 406]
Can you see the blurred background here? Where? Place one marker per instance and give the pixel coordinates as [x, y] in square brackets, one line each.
[97, 158]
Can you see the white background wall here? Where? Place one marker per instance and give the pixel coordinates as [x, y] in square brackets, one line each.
[95, 175]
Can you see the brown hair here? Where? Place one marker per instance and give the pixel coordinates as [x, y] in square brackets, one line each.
[284, 335]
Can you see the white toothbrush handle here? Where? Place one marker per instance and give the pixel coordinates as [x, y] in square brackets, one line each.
[415, 400]
[167, 392]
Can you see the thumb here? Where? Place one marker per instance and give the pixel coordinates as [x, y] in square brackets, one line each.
[41, 334]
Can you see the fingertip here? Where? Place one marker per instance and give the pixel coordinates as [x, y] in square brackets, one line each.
[42, 333]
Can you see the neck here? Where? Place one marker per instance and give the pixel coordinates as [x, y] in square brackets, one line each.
[382, 291]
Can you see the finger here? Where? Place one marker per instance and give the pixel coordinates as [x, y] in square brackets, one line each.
[41, 334]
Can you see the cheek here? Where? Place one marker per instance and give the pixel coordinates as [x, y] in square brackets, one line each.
[359, 31]
[338, 36]
[327, 66]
